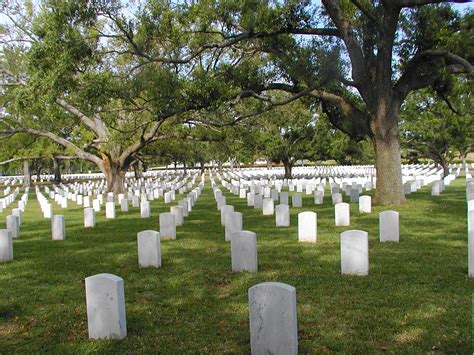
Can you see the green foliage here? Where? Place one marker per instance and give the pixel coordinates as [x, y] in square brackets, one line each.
[431, 129]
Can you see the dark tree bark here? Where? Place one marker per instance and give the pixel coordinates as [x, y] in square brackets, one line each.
[57, 170]
[138, 169]
[288, 168]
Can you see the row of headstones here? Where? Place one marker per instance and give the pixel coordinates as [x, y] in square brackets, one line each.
[256, 198]
[272, 314]
[9, 198]
[244, 243]
[470, 225]
[14, 220]
[167, 224]
[61, 198]
[423, 172]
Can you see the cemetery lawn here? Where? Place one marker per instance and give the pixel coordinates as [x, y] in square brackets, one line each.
[417, 297]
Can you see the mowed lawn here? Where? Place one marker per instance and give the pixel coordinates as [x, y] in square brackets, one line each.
[417, 297]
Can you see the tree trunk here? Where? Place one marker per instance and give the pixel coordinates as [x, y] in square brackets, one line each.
[220, 166]
[26, 174]
[57, 171]
[202, 166]
[138, 169]
[288, 167]
[269, 164]
[386, 142]
[464, 162]
[115, 177]
[444, 166]
[184, 167]
[175, 165]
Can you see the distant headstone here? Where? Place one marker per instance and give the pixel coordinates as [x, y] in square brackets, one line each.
[105, 299]
[284, 198]
[272, 319]
[355, 252]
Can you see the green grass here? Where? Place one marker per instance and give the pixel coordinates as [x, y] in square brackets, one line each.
[417, 297]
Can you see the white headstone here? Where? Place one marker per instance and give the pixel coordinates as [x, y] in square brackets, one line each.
[6, 245]
[258, 202]
[297, 200]
[96, 205]
[336, 198]
[58, 227]
[307, 227]
[48, 210]
[17, 212]
[243, 246]
[13, 225]
[177, 212]
[167, 226]
[124, 205]
[145, 209]
[282, 215]
[110, 210]
[318, 197]
[342, 214]
[224, 210]
[389, 226]
[105, 299]
[233, 224]
[221, 201]
[355, 252]
[89, 217]
[149, 249]
[272, 319]
[365, 204]
[268, 207]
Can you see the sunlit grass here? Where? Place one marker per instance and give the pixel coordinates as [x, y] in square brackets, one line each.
[417, 297]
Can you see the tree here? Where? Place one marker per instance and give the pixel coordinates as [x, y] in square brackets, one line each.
[439, 128]
[76, 82]
[286, 134]
[389, 49]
